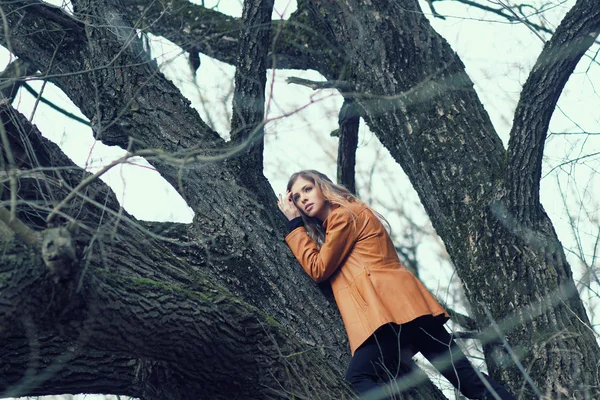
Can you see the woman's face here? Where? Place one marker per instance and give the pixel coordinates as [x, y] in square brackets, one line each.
[309, 199]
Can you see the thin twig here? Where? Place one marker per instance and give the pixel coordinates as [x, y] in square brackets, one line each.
[54, 106]
[342, 85]
[24, 232]
[37, 100]
[86, 182]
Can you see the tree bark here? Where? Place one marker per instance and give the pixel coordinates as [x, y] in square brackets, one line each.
[247, 123]
[418, 100]
[232, 241]
[296, 43]
[348, 132]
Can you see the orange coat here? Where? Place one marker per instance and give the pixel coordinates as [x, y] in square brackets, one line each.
[370, 285]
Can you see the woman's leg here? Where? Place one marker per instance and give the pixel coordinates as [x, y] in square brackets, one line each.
[378, 360]
[436, 344]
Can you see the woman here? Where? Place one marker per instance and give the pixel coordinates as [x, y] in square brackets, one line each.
[388, 314]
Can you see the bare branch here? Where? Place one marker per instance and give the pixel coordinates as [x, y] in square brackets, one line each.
[11, 78]
[540, 94]
[295, 43]
[50, 104]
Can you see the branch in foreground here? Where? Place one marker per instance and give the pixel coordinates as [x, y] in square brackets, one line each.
[26, 234]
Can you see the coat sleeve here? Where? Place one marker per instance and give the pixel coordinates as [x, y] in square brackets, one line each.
[339, 241]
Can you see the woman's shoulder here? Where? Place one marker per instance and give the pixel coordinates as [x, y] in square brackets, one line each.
[349, 210]
[357, 207]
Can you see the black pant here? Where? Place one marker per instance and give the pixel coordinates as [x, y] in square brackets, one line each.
[387, 354]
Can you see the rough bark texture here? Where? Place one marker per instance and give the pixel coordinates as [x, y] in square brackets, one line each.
[159, 300]
[348, 134]
[296, 43]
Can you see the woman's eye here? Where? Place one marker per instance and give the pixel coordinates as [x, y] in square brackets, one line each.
[308, 189]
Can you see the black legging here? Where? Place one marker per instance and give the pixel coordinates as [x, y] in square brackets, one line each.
[378, 359]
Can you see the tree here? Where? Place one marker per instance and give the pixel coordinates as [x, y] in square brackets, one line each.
[93, 300]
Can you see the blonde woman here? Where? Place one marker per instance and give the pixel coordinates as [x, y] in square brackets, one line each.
[387, 312]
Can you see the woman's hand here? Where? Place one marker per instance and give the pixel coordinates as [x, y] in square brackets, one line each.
[287, 206]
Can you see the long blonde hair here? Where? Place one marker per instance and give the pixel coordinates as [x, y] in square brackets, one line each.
[333, 193]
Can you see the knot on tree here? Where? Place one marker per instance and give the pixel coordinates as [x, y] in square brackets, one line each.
[58, 252]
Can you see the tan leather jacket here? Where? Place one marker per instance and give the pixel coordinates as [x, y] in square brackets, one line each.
[370, 285]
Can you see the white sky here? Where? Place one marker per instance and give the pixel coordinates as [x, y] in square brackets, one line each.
[498, 57]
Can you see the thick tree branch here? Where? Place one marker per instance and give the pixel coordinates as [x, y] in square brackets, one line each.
[247, 129]
[348, 133]
[36, 363]
[294, 43]
[539, 96]
[121, 94]
[145, 314]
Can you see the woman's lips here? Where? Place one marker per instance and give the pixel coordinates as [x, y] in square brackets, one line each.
[309, 207]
